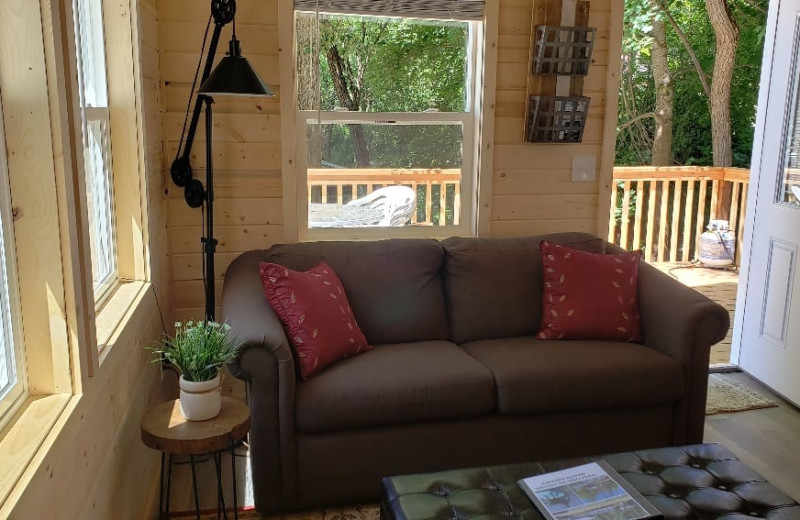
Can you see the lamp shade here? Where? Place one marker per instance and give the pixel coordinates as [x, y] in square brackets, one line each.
[234, 76]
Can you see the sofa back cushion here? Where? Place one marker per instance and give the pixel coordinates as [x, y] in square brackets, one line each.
[394, 286]
[493, 286]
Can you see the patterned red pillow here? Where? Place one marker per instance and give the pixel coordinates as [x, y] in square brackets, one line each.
[589, 295]
[313, 308]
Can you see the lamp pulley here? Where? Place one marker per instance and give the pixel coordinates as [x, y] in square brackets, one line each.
[223, 11]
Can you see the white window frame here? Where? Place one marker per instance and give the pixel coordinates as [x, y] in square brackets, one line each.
[468, 120]
[104, 229]
[13, 347]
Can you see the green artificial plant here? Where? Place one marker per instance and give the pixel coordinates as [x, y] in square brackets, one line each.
[198, 349]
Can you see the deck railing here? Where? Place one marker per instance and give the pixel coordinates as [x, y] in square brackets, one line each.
[438, 191]
[664, 210]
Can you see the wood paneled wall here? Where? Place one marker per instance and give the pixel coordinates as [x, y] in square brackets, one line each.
[532, 191]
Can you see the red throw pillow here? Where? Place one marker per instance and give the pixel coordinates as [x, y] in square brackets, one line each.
[589, 295]
[313, 308]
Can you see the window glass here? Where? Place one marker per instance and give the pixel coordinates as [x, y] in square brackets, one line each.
[789, 184]
[12, 361]
[99, 198]
[430, 167]
[375, 64]
[8, 365]
[387, 145]
[94, 89]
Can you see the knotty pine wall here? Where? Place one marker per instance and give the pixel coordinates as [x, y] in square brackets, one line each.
[531, 188]
[532, 191]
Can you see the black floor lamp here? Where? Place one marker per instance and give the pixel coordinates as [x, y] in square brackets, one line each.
[232, 77]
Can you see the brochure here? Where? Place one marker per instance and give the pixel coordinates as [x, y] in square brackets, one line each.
[591, 491]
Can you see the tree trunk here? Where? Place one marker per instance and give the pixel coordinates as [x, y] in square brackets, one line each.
[308, 94]
[348, 93]
[727, 35]
[360, 145]
[662, 140]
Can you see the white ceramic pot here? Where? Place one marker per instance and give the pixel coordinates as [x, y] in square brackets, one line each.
[200, 400]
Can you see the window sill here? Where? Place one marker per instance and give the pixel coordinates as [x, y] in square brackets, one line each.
[115, 312]
[25, 438]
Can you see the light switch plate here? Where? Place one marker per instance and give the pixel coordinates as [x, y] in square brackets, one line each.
[584, 168]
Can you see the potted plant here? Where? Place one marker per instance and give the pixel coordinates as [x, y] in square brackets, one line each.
[197, 351]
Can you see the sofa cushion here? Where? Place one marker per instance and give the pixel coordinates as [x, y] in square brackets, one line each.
[535, 376]
[494, 286]
[589, 295]
[394, 286]
[313, 308]
[395, 384]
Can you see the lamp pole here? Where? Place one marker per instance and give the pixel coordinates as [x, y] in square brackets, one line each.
[209, 242]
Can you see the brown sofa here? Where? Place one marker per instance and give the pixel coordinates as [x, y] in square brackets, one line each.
[457, 378]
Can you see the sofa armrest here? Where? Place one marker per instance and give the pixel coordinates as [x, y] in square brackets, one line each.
[265, 361]
[684, 324]
[264, 332]
[677, 319]
[252, 320]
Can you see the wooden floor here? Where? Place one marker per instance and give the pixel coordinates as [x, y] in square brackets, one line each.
[719, 285]
[767, 439]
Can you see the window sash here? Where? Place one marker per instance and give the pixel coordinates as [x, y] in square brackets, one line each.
[468, 10]
[466, 206]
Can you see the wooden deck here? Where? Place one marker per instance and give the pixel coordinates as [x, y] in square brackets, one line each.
[718, 284]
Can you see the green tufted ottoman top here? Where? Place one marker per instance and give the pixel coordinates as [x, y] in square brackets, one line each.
[703, 481]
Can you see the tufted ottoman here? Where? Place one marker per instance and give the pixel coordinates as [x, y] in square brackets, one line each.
[702, 481]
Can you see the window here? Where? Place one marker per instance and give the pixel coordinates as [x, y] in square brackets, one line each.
[387, 116]
[62, 102]
[94, 104]
[13, 380]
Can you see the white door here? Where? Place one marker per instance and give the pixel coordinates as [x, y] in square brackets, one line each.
[768, 329]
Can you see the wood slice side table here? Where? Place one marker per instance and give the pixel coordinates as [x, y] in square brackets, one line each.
[165, 429]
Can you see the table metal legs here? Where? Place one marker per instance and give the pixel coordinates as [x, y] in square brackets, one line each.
[220, 495]
[163, 505]
[194, 488]
[161, 490]
[233, 477]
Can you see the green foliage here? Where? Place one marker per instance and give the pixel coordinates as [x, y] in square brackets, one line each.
[403, 65]
[692, 143]
[198, 349]
[395, 146]
[390, 65]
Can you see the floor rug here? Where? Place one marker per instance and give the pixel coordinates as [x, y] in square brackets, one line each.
[369, 512]
[727, 395]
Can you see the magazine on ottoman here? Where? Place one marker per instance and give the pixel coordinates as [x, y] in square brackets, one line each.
[590, 491]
